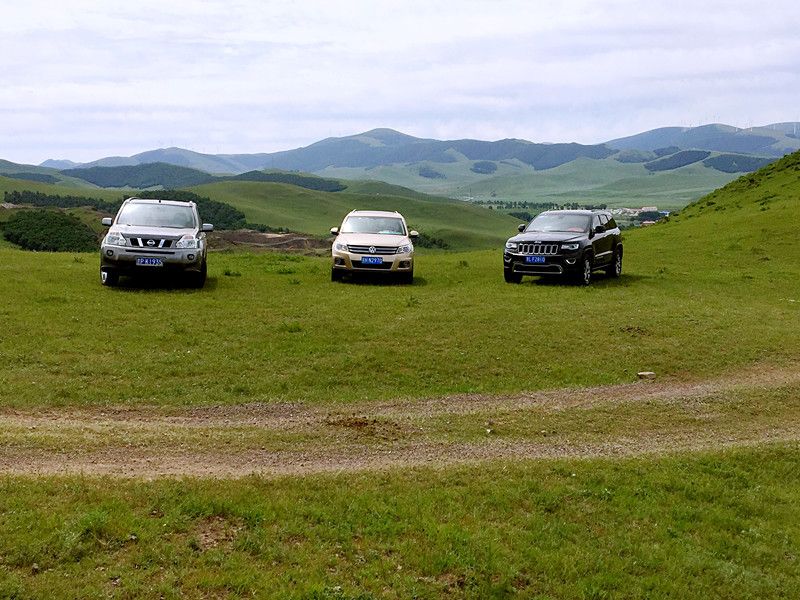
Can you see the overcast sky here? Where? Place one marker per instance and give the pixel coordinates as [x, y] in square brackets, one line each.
[84, 79]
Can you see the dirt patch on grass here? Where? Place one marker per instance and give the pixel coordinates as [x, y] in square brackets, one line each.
[293, 439]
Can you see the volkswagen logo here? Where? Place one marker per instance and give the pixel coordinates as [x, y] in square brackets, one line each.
[151, 242]
[372, 249]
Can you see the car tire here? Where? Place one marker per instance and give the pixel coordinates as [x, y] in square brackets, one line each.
[336, 275]
[199, 279]
[584, 276]
[511, 277]
[615, 268]
[109, 277]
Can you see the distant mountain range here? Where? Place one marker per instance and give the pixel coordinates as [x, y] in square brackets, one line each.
[668, 167]
[384, 147]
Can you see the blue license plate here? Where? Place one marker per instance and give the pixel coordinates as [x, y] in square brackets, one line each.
[149, 262]
[371, 260]
[534, 259]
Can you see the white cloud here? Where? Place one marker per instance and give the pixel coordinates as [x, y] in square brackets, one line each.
[86, 78]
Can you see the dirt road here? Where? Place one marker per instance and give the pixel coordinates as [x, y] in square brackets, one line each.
[749, 408]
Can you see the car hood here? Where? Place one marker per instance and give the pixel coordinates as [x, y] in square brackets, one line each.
[550, 236]
[372, 239]
[167, 233]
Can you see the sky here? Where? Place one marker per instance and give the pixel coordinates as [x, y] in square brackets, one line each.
[87, 79]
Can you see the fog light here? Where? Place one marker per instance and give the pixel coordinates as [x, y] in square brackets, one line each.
[190, 257]
[109, 253]
[404, 264]
[338, 261]
[571, 261]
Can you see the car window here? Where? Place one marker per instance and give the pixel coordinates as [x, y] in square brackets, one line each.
[612, 224]
[559, 222]
[596, 221]
[603, 220]
[157, 215]
[363, 224]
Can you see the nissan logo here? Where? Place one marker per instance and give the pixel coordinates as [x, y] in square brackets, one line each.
[151, 242]
[372, 249]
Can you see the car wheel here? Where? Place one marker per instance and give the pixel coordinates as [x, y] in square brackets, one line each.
[584, 276]
[615, 268]
[199, 279]
[511, 277]
[336, 275]
[109, 277]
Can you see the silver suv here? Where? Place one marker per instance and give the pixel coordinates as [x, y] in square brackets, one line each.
[153, 236]
[373, 241]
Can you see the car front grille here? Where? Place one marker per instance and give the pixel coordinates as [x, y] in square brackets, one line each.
[384, 250]
[142, 242]
[538, 249]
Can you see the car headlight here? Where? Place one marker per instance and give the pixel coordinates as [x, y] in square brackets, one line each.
[405, 249]
[187, 241]
[511, 245]
[570, 246]
[114, 238]
[340, 247]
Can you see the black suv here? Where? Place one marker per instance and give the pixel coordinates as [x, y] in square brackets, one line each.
[573, 243]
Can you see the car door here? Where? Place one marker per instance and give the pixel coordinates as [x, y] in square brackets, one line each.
[602, 242]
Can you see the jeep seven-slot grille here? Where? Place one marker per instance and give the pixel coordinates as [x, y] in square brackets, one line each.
[142, 242]
[538, 249]
[369, 249]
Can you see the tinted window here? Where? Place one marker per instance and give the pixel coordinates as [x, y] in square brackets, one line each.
[612, 224]
[559, 222]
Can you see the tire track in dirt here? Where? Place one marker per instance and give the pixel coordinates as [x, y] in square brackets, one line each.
[352, 454]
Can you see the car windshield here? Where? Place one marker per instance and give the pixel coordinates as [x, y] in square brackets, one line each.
[157, 215]
[560, 222]
[360, 224]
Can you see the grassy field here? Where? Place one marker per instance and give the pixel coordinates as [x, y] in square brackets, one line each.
[721, 525]
[711, 295]
[463, 226]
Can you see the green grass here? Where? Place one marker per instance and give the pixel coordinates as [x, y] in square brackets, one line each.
[719, 525]
[714, 290]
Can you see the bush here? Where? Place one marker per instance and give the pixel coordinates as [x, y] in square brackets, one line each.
[49, 230]
[29, 198]
[425, 171]
[484, 167]
[427, 241]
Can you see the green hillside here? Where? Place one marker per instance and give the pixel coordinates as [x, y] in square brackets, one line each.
[278, 205]
[458, 438]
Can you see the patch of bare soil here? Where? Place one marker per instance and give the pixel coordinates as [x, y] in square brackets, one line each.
[369, 436]
[257, 241]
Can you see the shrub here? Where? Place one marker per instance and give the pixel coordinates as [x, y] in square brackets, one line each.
[49, 230]
[484, 167]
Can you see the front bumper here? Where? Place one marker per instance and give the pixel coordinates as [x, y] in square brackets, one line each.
[123, 259]
[390, 263]
[558, 264]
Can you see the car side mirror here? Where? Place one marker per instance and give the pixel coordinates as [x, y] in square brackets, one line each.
[599, 229]
[521, 227]
[334, 231]
[107, 221]
[413, 234]
[207, 227]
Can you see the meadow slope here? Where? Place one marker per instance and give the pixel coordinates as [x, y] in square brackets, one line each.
[536, 464]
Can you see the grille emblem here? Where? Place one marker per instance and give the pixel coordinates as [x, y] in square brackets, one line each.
[151, 242]
[372, 249]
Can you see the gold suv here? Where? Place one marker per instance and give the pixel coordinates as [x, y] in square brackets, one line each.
[373, 241]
